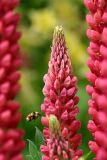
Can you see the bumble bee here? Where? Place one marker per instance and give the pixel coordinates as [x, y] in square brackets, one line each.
[33, 116]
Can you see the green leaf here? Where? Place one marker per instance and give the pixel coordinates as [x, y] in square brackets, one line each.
[33, 151]
[40, 155]
[39, 138]
[28, 157]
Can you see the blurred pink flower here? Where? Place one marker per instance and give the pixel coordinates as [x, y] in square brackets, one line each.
[61, 101]
[97, 20]
[11, 143]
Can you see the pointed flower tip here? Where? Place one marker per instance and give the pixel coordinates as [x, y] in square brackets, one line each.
[54, 124]
[58, 30]
[58, 36]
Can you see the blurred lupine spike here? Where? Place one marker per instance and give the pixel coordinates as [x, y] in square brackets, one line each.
[11, 143]
[97, 20]
[61, 103]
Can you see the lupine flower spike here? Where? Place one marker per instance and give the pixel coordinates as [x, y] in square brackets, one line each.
[60, 101]
[97, 20]
[11, 143]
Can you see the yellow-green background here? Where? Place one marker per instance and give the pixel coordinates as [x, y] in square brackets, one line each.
[39, 17]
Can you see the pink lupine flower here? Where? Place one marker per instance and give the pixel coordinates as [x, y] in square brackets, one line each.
[11, 143]
[60, 101]
[97, 20]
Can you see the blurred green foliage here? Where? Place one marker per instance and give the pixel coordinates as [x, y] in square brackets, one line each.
[39, 17]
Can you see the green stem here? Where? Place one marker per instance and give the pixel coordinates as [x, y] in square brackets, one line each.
[87, 155]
